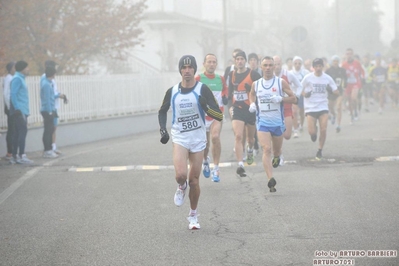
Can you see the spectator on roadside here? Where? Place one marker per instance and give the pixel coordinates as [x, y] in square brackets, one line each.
[47, 109]
[6, 93]
[58, 96]
[19, 109]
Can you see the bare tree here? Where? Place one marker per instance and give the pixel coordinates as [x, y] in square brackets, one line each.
[71, 32]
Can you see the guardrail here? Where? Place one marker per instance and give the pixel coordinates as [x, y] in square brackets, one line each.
[97, 97]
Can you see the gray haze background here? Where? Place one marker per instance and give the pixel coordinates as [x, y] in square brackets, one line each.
[267, 27]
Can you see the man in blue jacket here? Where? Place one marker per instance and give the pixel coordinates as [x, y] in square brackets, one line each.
[20, 111]
[47, 110]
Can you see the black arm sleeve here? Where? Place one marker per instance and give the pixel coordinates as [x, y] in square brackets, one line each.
[162, 113]
[213, 110]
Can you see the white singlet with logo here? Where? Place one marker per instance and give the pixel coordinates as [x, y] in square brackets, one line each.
[318, 100]
[188, 122]
[269, 114]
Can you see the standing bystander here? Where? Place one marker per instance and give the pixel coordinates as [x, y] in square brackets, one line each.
[19, 109]
[10, 121]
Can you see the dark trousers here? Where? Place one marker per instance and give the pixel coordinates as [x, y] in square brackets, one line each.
[21, 129]
[10, 132]
[48, 121]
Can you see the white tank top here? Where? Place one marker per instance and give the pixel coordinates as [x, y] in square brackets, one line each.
[188, 121]
[269, 114]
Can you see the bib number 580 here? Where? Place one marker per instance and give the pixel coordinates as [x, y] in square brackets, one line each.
[189, 125]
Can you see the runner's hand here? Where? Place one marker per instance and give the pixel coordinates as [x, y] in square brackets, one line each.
[252, 108]
[225, 100]
[164, 135]
[276, 99]
[308, 94]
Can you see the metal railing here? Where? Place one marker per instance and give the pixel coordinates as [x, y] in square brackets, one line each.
[98, 97]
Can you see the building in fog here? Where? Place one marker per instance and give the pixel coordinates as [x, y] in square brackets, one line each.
[176, 27]
[307, 28]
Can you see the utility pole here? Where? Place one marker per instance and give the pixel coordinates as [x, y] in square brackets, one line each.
[396, 19]
[337, 26]
[225, 31]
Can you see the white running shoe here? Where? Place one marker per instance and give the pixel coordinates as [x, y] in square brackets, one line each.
[296, 134]
[281, 160]
[180, 195]
[193, 222]
[50, 154]
[24, 160]
[58, 152]
[15, 160]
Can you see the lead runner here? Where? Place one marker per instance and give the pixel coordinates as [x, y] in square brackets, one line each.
[190, 101]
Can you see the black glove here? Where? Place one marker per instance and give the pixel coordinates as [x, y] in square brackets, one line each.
[164, 135]
[65, 99]
[247, 87]
[307, 95]
[203, 102]
[225, 100]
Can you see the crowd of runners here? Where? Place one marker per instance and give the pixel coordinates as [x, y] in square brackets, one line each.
[268, 101]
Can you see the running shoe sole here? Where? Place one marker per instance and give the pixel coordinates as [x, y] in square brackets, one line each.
[271, 184]
[241, 172]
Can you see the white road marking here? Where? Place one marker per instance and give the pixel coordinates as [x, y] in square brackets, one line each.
[14, 186]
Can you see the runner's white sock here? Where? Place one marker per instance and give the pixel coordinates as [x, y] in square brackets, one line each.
[54, 146]
[193, 212]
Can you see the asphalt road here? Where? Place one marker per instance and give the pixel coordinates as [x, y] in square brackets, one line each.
[111, 203]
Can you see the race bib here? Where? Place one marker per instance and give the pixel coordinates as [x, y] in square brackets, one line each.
[380, 78]
[240, 96]
[338, 81]
[189, 123]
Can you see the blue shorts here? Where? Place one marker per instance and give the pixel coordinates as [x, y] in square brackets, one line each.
[274, 131]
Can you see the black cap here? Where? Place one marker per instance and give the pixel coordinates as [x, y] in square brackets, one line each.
[317, 61]
[253, 55]
[50, 71]
[188, 60]
[242, 53]
[20, 65]
[50, 63]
